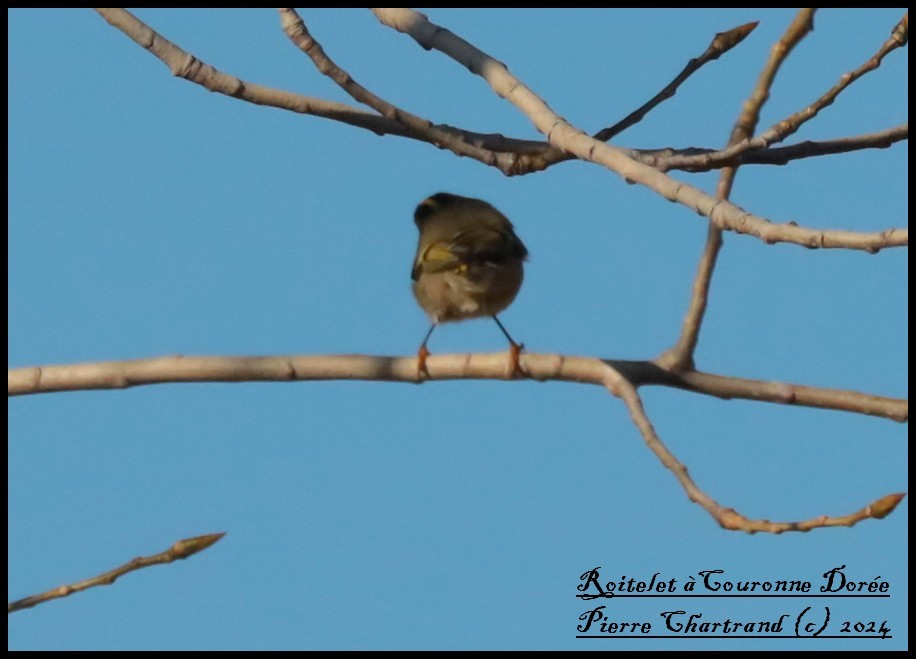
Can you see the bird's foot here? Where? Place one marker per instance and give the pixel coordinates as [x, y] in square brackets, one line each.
[422, 371]
[515, 368]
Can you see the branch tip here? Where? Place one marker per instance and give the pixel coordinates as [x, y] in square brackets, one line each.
[725, 41]
[191, 546]
[886, 505]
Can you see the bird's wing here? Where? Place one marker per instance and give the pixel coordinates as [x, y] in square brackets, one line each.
[437, 257]
[479, 244]
[487, 244]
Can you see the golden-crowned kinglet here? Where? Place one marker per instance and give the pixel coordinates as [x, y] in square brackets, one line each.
[468, 264]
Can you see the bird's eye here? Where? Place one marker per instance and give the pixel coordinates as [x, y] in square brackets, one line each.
[424, 210]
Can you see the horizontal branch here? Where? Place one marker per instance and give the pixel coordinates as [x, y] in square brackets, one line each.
[697, 159]
[492, 366]
[729, 387]
[179, 368]
[180, 550]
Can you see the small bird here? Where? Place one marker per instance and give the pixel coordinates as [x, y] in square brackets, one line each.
[468, 265]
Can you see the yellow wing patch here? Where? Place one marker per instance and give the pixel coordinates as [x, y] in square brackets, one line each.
[437, 252]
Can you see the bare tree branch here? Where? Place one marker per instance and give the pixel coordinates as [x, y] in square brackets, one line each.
[782, 129]
[493, 366]
[796, 394]
[512, 156]
[189, 67]
[680, 357]
[180, 550]
[562, 134]
[184, 65]
[620, 378]
[662, 158]
[721, 44]
[675, 368]
[294, 28]
[808, 149]
[729, 518]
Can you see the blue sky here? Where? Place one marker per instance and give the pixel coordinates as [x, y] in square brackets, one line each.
[148, 217]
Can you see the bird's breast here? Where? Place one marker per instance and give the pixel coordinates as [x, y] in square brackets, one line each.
[469, 291]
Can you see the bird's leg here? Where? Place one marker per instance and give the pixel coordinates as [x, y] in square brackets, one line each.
[515, 349]
[423, 353]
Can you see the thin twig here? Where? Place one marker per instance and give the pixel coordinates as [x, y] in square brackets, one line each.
[562, 134]
[729, 518]
[680, 356]
[180, 550]
[782, 129]
[721, 44]
[809, 149]
[423, 129]
[662, 158]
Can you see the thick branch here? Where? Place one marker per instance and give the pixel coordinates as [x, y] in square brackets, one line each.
[541, 367]
[563, 135]
[180, 550]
